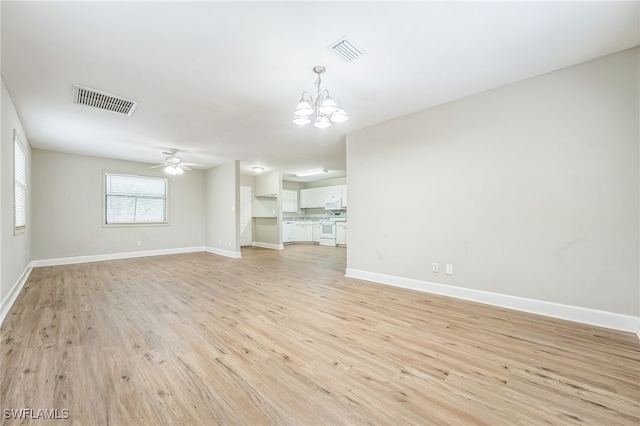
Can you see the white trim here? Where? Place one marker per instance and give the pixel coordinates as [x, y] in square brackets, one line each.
[105, 224]
[268, 245]
[579, 314]
[113, 256]
[11, 297]
[227, 253]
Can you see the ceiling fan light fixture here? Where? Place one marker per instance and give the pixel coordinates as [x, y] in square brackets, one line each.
[173, 170]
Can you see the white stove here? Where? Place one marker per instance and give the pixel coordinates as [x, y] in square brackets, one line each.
[328, 228]
[328, 232]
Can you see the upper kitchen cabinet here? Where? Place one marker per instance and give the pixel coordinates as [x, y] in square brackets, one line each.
[343, 191]
[316, 197]
[313, 197]
[268, 185]
[289, 201]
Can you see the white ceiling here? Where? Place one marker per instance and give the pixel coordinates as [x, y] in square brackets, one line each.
[219, 80]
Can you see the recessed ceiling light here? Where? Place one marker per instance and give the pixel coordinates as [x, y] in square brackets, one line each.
[312, 173]
[257, 169]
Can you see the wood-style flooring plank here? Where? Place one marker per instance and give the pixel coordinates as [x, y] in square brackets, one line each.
[282, 337]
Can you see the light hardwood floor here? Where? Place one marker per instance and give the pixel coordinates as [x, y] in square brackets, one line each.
[282, 337]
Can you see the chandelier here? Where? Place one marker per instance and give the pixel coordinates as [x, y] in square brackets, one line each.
[325, 108]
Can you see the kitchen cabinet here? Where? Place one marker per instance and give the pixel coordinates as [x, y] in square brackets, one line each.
[343, 192]
[304, 231]
[341, 233]
[315, 231]
[334, 191]
[289, 201]
[305, 198]
[312, 198]
[268, 185]
[288, 231]
[316, 197]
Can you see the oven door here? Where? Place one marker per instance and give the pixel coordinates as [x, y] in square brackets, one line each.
[327, 229]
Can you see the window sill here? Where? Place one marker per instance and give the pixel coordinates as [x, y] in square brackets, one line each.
[134, 225]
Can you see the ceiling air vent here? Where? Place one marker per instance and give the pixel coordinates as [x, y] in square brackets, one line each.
[107, 101]
[346, 49]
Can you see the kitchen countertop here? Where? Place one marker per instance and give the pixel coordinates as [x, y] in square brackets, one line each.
[299, 219]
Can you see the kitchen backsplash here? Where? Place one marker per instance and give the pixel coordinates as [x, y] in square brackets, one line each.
[314, 214]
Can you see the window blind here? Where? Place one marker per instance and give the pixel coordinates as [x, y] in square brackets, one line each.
[135, 199]
[20, 192]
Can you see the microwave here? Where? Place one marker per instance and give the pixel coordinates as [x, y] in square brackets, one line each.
[333, 204]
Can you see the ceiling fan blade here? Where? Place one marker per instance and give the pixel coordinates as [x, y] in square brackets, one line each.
[183, 167]
[159, 165]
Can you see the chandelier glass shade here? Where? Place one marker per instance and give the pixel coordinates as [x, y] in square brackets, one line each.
[323, 110]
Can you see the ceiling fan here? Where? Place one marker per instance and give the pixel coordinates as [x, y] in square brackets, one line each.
[173, 164]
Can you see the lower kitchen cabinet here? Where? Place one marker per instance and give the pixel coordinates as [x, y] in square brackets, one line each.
[304, 231]
[341, 233]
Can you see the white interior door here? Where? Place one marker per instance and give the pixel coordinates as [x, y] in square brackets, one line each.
[246, 233]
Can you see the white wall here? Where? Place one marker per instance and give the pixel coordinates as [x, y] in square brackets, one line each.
[68, 202]
[326, 182]
[529, 190]
[15, 250]
[223, 209]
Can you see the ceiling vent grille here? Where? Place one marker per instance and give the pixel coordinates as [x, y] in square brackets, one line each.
[346, 49]
[97, 99]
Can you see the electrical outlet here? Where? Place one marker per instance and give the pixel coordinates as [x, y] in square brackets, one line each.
[449, 269]
[139, 243]
[434, 267]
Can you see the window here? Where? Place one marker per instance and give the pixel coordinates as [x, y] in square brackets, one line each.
[135, 199]
[20, 180]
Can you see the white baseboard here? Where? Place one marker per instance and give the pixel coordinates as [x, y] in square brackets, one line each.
[578, 314]
[113, 256]
[9, 300]
[269, 245]
[227, 253]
